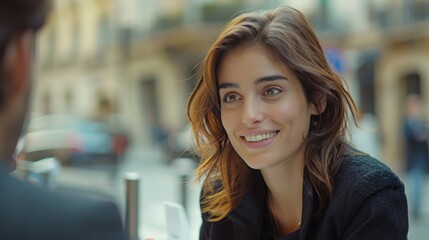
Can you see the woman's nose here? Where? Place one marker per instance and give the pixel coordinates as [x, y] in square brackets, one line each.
[252, 113]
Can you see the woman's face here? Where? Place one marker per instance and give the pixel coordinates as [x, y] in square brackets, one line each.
[263, 108]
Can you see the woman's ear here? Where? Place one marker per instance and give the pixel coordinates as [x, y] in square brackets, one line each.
[318, 105]
[18, 61]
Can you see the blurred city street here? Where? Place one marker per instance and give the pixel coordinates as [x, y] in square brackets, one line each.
[161, 182]
[419, 230]
[114, 79]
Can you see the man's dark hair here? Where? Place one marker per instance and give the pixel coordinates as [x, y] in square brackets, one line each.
[17, 16]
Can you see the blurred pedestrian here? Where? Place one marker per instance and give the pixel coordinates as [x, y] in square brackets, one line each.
[26, 211]
[270, 118]
[415, 132]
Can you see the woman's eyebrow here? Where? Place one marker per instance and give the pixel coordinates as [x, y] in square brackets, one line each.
[257, 81]
[228, 85]
[270, 78]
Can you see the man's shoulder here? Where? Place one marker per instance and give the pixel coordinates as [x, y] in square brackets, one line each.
[52, 213]
[19, 194]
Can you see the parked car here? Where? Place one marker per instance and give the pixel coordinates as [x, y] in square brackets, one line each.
[182, 145]
[72, 140]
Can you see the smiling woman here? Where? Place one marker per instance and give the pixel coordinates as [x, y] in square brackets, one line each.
[269, 117]
[274, 116]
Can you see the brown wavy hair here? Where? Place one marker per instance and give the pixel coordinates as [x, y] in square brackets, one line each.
[286, 33]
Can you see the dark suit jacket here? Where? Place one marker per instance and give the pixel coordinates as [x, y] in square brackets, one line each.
[416, 136]
[31, 212]
[368, 203]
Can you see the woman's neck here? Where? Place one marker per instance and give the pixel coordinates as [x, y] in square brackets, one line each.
[284, 199]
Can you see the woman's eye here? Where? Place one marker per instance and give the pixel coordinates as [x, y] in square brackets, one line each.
[229, 98]
[271, 91]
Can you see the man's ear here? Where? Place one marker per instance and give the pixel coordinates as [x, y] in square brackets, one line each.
[18, 64]
[319, 108]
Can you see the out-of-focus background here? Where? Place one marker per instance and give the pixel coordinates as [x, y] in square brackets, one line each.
[113, 78]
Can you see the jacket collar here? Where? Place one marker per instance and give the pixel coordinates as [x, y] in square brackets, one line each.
[307, 206]
[249, 214]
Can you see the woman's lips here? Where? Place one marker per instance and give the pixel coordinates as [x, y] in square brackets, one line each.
[259, 140]
[260, 137]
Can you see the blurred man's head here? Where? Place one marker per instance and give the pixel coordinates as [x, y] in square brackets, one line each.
[413, 106]
[19, 21]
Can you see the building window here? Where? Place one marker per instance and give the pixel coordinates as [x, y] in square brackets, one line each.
[365, 75]
[412, 83]
[103, 39]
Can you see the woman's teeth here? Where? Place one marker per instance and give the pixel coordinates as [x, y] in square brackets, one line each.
[260, 137]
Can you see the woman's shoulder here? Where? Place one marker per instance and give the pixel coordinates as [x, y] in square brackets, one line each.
[364, 175]
[365, 191]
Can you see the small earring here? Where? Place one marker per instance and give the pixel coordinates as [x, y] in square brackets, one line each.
[314, 123]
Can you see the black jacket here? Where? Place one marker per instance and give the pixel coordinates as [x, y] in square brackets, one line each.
[31, 213]
[368, 203]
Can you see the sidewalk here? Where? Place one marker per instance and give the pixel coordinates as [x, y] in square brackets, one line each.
[160, 183]
[419, 230]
